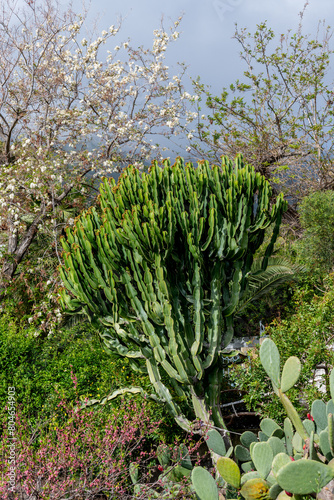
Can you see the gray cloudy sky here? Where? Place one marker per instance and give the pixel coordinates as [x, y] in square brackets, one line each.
[205, 44]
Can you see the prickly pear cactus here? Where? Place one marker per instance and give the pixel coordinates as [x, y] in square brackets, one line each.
[160, 267]
[204, 484]
[296, 460]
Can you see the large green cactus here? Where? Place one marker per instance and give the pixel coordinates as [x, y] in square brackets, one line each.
[160, 266]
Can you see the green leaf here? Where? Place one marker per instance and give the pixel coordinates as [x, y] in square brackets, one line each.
[229, 471]
[262, 456]
[269, 426]
[216, 443]
[318, 412]
[276, 444]
[304, 477]
[242, 453]
[280, 460]
[247, 438]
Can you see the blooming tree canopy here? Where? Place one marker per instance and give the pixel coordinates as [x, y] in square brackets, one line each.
[61, 92]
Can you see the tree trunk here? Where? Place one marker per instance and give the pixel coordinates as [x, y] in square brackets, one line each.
[17, 249]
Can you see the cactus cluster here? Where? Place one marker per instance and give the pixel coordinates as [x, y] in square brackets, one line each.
[174, 469]
[172, 473]
[160, 268]
[280, 462]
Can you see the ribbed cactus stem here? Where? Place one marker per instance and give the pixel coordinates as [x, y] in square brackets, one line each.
[331, 432]
[159, 266]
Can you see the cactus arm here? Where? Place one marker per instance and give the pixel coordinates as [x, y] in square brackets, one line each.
[211, 227]
[229, 331]
[235, 290]
[331, 432]
[165, 395]
[216, 322]
[121, 392]
[214, 397]
[198, 321]
[331, 384]
[184, 350]
[200, 408]
[293, 415]
[174, 343]
[114, 345]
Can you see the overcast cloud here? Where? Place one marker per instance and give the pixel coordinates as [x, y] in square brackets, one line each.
[205, 44]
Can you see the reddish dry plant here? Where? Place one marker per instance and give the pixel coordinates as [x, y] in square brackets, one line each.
[85, 456]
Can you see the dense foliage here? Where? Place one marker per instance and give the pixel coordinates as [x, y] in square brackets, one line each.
[43, 370]
[316, 247]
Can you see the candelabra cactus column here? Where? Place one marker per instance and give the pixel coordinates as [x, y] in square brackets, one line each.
[159, 267]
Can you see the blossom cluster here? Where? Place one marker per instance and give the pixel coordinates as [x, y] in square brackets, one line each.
[70, 114]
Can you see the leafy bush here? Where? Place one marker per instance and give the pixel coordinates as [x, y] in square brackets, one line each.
[316, 247]
[307, 334]
[40, 370]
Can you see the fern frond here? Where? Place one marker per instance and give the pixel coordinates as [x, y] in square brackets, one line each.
[261, 282]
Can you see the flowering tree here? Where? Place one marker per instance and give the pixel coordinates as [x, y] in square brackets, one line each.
[59, 96]
[280, 115]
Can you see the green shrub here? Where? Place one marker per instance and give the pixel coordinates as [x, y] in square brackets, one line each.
[316, 247]
[40, 370]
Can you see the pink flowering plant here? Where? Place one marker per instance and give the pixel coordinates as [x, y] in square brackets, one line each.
[78, 454]
[81, 454]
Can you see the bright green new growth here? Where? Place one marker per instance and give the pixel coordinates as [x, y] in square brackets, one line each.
[160, 270]
[229, 471]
